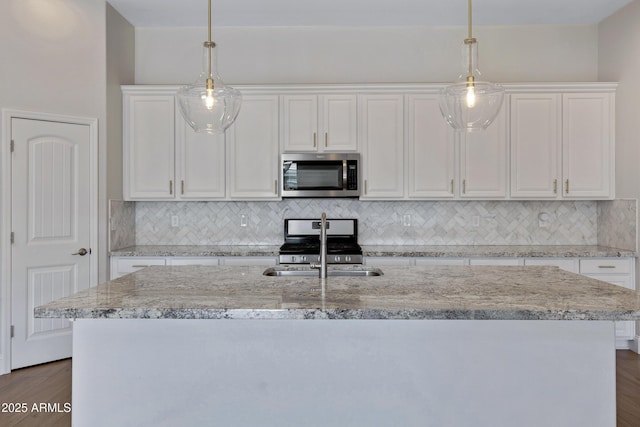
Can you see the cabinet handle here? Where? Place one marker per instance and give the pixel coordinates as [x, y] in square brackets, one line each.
[566, 186]
[365, 186]
[139, 266]
[555, 186]
[275, 186]
[606, 266]
[171, 187]
[182, 187]
[315, 137]
[464, 186]
[451, 186]
[326, 139]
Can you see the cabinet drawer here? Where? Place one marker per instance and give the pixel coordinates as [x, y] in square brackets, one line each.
[441, 261]
[564, 264]
[605, 266]
[192, 261]
[129, 265]
[496, 261]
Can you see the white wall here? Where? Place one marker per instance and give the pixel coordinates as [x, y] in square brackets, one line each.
[53, 61]
[619, 60]
[120, 71]
[366, 55]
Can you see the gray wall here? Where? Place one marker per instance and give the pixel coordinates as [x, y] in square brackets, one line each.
[366, 54]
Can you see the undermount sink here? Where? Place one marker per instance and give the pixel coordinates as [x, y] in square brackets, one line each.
[356, 272]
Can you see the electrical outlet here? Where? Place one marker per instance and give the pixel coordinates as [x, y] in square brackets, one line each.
[175, 221]
[244, 220]
[406, 220]
[475, 221]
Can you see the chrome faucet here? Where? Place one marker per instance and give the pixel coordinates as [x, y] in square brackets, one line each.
[322, 267]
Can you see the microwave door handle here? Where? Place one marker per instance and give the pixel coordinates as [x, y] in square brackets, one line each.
[344, 175]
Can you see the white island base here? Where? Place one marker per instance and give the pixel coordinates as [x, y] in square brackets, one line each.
[166, 372]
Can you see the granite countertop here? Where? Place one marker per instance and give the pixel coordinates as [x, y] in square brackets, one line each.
[553, 251]
[233, 292]
[515, 251]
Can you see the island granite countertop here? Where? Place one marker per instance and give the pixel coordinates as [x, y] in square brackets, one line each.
[234, 292]
[518, 251]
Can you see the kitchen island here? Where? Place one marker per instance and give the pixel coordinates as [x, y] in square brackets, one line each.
[423, 346]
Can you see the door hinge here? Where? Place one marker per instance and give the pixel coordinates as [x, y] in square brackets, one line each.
[12, 145]
[12, 238]
[12, 331]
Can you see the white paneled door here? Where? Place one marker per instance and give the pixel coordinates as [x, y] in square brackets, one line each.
[51, 224]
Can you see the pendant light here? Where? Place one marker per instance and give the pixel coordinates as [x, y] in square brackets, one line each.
[470, 104]
[208, 105]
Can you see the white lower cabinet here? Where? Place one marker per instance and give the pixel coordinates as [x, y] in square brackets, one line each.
[125, 265]
[248, 260]
[619, 272]
[192, 261]
[442, 261]
[390, 260]
[496, 261]
[568, 264]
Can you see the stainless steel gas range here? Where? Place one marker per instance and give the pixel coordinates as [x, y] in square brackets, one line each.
[302, 242]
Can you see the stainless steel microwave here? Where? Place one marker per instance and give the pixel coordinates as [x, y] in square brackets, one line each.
[320, 175]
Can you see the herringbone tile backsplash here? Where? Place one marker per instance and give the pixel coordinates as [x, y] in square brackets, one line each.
[380, 223]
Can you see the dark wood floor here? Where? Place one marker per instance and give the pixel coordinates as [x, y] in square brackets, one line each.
[51, 383]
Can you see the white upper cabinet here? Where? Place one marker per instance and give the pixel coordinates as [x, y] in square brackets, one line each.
[550, 141]
[148, 146]
[254, 149]
[319, 122]
[164, 159]
[588, 145]
[382, 141]
[562, 146]
[201, 164]
[483, 160]
[430, 149]
[535, 145]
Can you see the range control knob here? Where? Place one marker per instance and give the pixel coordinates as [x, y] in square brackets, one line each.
[293, 258]
[336, 258]
[303, 258]
[347, 258]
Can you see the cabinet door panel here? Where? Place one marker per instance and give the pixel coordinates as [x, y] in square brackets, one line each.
[339, 132]
[535, 145]
[484, 160]
[382, 141]
[300, 123]
[254, 148]
[430, 149]
[149, 147]
[201, 160]
[587, 145]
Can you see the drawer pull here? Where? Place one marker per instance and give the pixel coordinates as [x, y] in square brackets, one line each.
[140, 266]
[606, 266]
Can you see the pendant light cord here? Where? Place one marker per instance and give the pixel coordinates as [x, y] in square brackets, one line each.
[469, 42]
[468, 14]
[209, 47]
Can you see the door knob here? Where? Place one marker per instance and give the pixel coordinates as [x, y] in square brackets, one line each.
[81, 252]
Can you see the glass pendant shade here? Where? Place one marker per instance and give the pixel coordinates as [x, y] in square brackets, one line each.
[471, 104]
[208, 105]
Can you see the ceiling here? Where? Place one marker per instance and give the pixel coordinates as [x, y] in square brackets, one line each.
[193, 13]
